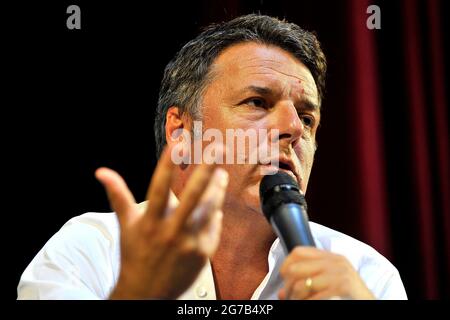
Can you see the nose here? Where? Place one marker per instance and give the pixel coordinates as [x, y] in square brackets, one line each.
[286, 120]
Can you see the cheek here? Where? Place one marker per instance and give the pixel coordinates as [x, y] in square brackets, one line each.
[243, 189]
[241, 174]
[311, 150]
[305, 152]
[305, 149]
[244, 182]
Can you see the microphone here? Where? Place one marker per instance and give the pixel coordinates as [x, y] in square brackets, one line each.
[285, 208]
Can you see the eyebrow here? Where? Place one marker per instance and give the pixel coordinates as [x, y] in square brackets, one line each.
[306, 102]
[259, 90]
[309, 105]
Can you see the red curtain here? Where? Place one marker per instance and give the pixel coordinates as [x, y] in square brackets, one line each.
[368, 133]
[440, 117]
[431, 200]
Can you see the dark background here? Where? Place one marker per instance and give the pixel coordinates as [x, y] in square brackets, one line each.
[80, 99]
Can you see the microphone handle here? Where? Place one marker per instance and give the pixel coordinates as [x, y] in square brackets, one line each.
[290, 222]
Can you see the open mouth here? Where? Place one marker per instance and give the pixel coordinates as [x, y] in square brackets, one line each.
[285, 166]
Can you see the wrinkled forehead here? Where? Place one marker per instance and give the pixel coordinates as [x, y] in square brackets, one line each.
[243, 63]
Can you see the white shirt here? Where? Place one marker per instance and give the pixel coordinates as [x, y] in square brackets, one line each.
[82, 260]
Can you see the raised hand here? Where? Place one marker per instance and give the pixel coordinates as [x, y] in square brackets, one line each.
[165, 246]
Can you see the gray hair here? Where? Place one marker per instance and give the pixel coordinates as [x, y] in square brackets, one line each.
[189, 73]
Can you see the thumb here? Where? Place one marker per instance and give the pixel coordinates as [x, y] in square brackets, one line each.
[120, 198]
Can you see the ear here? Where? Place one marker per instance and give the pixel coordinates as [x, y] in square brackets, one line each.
[174, 125]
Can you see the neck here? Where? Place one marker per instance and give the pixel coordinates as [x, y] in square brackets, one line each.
[240, 263]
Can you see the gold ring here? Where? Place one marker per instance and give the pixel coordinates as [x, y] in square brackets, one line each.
[308, 283]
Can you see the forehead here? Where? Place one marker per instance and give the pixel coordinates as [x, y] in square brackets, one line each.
[244, 63]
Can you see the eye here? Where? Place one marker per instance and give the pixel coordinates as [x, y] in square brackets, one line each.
[256, 102]
[308, 121]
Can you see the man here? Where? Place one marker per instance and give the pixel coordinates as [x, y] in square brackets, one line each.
[254, 72]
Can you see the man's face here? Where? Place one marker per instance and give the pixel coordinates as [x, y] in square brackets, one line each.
[256, 87]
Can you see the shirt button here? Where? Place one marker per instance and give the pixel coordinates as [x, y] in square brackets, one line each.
[201, 292]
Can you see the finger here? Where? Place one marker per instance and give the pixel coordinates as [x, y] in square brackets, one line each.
[211, 200]
[172, 202]
[298, 273]
[299, 290]
[193, 192]
[296, 290]
[191, 195]
[159, 189]
[120, 197]
[289, 284]
[210, 225]
[301, 253]
[307, 251]
[305, 268]
[209, 239]
[323, 287]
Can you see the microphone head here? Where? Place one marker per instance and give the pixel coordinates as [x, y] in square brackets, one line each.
[278, 189]
[271, 180]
